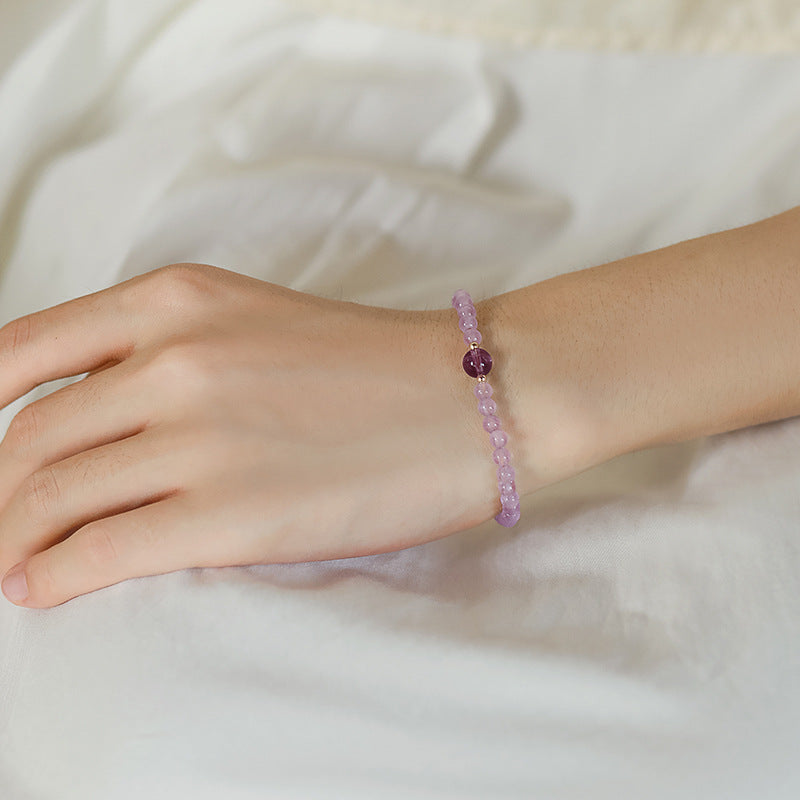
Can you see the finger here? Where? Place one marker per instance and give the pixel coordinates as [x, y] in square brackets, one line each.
[63, 340]
[149, 540]
[93, 484]
[105, 406]
[88, 332]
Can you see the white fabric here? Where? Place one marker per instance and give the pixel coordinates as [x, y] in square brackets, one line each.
[753, 26]
[635, 635]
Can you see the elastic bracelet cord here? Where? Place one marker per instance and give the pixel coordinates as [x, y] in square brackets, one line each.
[477, 363]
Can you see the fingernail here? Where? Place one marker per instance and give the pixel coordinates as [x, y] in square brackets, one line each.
[15, 586]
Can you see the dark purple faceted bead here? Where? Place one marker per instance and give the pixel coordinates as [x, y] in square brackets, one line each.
[477, 362]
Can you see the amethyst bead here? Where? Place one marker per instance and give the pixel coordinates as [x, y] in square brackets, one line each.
[467, 324]
[476, 362]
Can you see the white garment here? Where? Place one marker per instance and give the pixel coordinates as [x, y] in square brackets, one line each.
[635, 635]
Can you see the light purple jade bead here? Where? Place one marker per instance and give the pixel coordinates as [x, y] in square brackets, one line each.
[472, 335]
[510, 509]
[483, 390]
[491, 423]
[467, 324]
[506, 473]
[498, 438]
[501, 456]
[508, 518]
[487, 406]
[507, 487]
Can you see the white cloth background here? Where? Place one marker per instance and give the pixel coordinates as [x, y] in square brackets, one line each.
[635, 635]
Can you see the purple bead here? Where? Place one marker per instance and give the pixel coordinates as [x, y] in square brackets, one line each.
[472, 335]
[508, 518]
[467, 324]
[498, 438]
[501, 456]
[506, 487]
[509, 498]
[506, 472]
[477, 362]
[483, 390]
[491, 423]
[487, 407]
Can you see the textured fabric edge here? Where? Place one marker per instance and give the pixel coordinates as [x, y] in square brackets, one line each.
[747, 26]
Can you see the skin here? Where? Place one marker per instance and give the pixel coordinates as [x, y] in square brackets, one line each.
[229, 421]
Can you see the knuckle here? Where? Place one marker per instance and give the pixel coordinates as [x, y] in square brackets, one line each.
[182, 284]
[41, 493]
[99, 545]
[24, 432]
[181, 365]
[17, 335]
[180, 289]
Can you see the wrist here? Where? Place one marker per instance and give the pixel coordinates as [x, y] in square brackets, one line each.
[540, 407]
[541, 394]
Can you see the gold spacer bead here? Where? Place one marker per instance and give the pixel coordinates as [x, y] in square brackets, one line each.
[481, 378]
[473, 345]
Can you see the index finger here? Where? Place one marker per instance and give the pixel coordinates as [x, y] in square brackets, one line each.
[67, 339]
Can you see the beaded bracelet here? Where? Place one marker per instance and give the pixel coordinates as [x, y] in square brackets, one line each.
[477, 363]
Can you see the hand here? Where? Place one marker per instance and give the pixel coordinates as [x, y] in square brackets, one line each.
[226, 421]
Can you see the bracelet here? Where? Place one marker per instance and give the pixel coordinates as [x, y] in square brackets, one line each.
[477, 363]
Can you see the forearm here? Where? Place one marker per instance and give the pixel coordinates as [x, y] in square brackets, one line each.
[688, 340]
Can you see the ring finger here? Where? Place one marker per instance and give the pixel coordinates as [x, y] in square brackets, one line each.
[105, 406]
